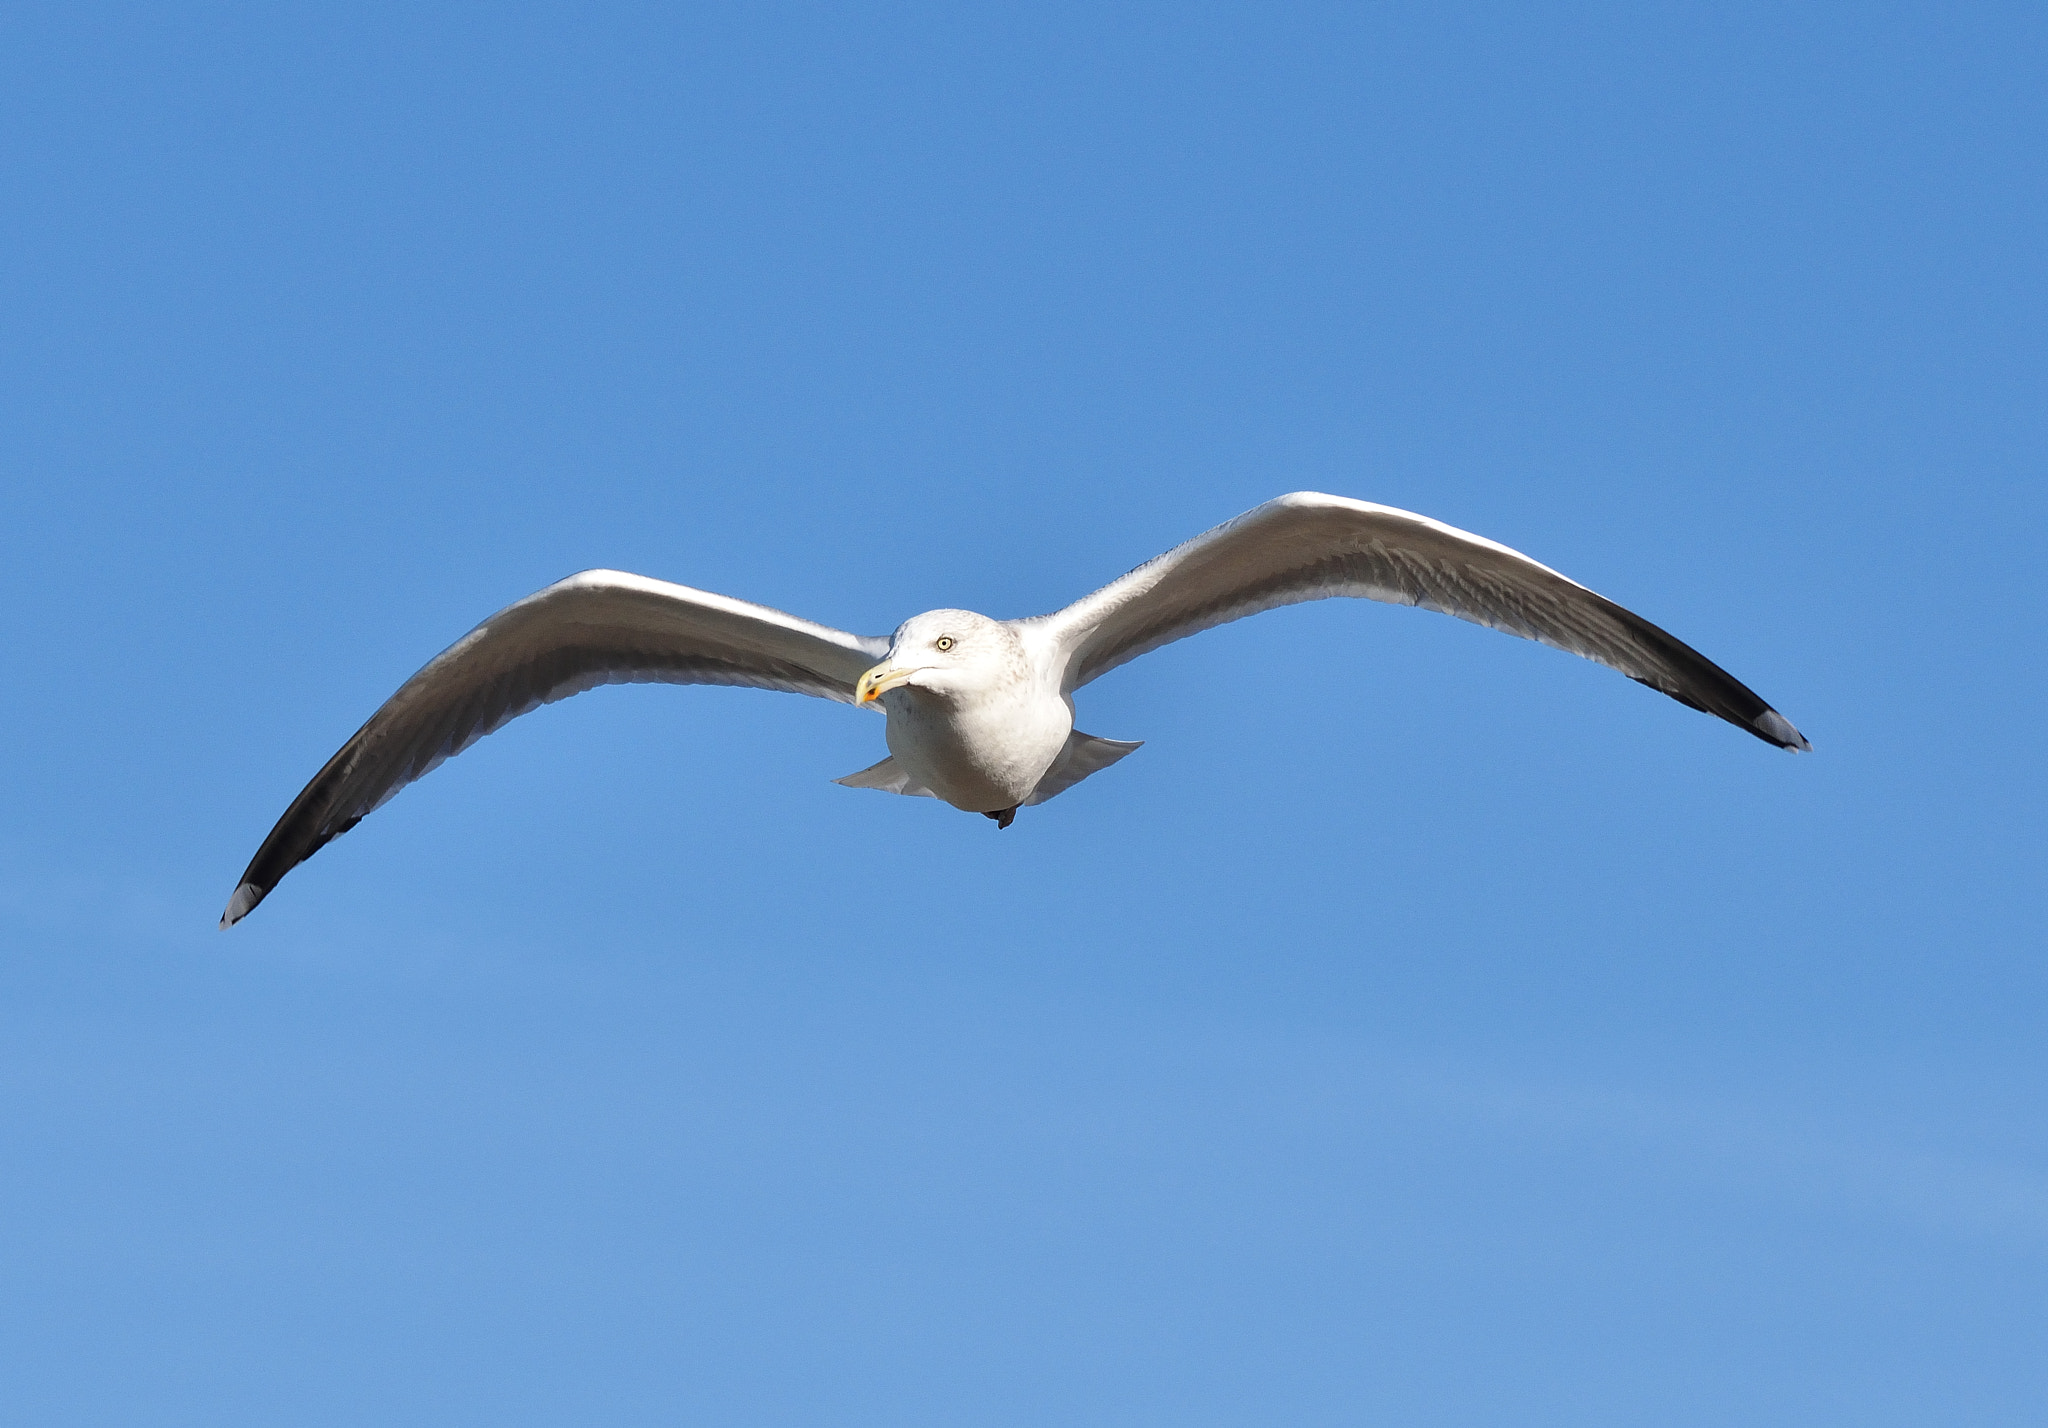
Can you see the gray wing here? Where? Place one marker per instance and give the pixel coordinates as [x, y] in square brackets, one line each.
[1308, 546]
[600, 627]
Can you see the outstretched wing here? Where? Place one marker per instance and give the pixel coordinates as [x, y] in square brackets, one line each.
[600, 627]
[1308, 546]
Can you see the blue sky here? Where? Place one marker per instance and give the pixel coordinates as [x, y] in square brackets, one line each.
[1425, 1027]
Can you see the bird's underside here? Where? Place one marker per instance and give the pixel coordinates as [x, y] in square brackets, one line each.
[980, 710]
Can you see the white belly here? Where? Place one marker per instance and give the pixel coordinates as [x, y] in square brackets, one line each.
[983, 757]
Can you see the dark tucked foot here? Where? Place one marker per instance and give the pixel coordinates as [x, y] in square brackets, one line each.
[1002, 816]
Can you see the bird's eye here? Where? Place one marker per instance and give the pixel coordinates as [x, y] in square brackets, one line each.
[945, 642]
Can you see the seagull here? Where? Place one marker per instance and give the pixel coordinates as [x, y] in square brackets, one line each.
[980, 711]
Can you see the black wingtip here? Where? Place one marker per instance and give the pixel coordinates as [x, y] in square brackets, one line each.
[1778, 729]
[246, 896]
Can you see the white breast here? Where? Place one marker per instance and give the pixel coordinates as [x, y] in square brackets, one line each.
[981, 756]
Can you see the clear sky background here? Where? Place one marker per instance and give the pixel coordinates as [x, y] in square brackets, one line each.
[1424, 1028]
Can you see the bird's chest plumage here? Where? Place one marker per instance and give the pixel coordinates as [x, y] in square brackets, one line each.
[983, 755]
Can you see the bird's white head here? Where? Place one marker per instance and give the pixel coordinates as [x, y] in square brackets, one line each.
[949, 653]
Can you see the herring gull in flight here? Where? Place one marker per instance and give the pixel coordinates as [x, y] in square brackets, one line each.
[980, 711]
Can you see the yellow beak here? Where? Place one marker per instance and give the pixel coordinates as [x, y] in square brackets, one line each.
[879, 680]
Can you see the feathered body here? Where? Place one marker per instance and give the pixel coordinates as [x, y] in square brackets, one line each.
[981, 732]
[980, 711]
